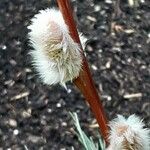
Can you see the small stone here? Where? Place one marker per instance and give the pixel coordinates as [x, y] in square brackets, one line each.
[27, 114]
[100, 50]
[129, 31]
[116, 49]
[131, 2]
[13, 62]
[89, 48]
[109, 98]
[69, 91]
[108, 1]
[129, 60]
[4, 47]
[139, 45]
[16, 132]
[28, 70]
[9, 82]
[94, 67]
[142, 1]
[58, 105]
[43, 122]
[108, 65]
[64, 124]
[34, 139]
[49, 110]
[12, 122]
[143, 67]
[63, 149]
[91, 18]
[97, 8]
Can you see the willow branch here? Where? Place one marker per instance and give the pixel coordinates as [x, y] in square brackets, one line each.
[84, 82]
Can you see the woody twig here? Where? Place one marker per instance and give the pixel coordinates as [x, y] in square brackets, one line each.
[84, 82]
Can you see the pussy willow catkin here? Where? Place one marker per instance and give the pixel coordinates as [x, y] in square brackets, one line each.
[128, 134]
[56, 56]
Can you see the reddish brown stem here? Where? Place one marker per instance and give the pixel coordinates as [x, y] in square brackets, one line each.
[84, 82]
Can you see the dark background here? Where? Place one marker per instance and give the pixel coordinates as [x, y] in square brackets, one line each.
[119, 62]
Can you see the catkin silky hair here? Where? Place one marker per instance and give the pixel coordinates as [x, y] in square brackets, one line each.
[56, 56]
[128, 134]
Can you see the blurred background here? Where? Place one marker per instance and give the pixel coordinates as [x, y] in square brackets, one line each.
[34, 116]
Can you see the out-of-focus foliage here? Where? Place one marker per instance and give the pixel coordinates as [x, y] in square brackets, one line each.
[87, 142]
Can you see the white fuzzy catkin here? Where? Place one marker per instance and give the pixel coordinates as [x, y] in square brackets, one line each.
[56, 56]
[128, 134]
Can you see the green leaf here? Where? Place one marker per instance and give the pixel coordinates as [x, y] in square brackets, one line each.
[87, 143]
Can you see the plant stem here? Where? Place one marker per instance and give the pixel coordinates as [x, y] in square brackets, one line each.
[84, 82]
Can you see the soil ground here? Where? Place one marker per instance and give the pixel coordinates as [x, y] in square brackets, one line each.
[35, 116]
